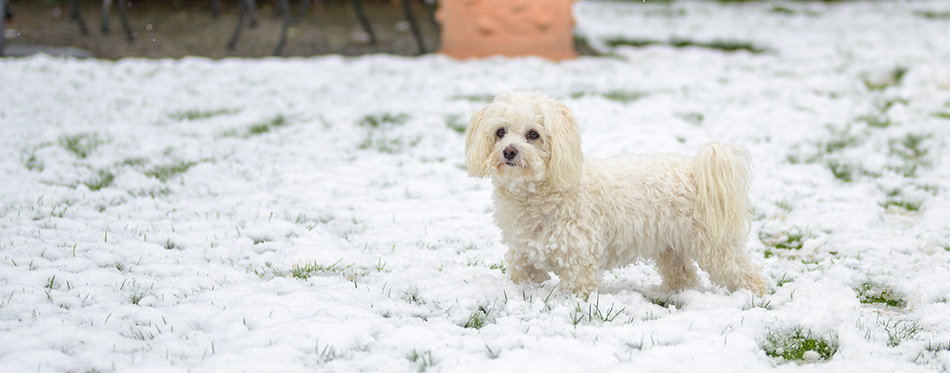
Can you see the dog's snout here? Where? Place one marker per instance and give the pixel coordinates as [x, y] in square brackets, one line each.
[510, 152]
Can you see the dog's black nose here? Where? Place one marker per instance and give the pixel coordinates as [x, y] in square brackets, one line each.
[510, 152]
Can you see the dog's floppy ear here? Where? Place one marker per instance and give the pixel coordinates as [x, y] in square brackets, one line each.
[478, 145]
[567, 160]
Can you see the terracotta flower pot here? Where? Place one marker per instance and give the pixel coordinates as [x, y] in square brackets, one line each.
[482, 28]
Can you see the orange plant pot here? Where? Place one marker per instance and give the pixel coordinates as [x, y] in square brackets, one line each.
[482, 28]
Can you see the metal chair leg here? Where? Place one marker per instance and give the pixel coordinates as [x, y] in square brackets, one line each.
[430, 8]
[3, 18]
[75, 14]
[104, 16]
[407, 11]
[255, 15]
[358, 7]
[301, 10]
[243, 8]
[124, 17]
[216, 8]
[285, 12]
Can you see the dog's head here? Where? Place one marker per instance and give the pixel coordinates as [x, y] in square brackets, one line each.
[525, 137]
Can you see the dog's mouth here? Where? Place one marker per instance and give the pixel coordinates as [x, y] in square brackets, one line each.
[511, 162]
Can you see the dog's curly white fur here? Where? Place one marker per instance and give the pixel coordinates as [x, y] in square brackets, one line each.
[559, 211]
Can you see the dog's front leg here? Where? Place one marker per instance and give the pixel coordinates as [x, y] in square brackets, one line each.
[520, 268]
[580, 275]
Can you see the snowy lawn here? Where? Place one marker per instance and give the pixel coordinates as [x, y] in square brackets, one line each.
[314, 214]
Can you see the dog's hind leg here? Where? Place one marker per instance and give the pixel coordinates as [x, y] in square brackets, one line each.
[677, 270]
[729, 266]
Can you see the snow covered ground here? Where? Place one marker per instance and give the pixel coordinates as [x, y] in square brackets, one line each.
[314, 214]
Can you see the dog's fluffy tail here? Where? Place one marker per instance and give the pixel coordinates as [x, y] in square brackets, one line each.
[721, 174]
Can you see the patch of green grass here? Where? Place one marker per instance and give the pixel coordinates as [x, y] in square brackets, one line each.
[899, 331]
[412, 297]
[627, 42]
[310, 269]
[666, 302]
[388, 145]
[929, 14]
[499, 266]
[875, 120]
[193, 115]
[798, 344]
[895, 199]
[873, 293]
[778, 9]
[33, 163]
[941, 114]
[721, 45]
[267, 126]
[937, 347]
[81, 145]
[169, 245]
[479, 98]
[692, 118]
[259, 128]
[165, 172]
[594, 313]
[383, 120]
[885, 104]
[136, 297]
[456, 123]
[103, 179]
[479, 318]
[892, 78]
[785, 205]
[782, 281]
[134, 162]
[51, 282]
[380, 137]
[840, 139]
[911, 153]
[624, 96]
[327, 353]
[620, 96]
[729, 46]
[423, 359]
[793, 239]
[910, 146]
[760, 303]
[841, 171]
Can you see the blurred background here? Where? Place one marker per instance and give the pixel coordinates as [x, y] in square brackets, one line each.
[177, 28]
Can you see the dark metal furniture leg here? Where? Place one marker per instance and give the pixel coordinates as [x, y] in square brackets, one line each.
[285, 12]
[75, 14]
[124, 17]
[364, 21]
[216, 8]
[430, 8]
[104, 16]
[3, 18]
[252, 10]
[301, 10]
[407, 10]
[242, 12]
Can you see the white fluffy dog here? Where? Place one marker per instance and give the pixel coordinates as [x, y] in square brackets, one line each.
[579, 217]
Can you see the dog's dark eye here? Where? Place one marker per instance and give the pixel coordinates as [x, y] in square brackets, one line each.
[532, 135]
[500, 133]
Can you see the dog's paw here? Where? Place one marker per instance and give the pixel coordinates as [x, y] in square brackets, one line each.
[757, 285]
[529, 274]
